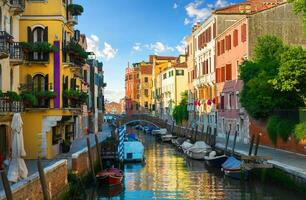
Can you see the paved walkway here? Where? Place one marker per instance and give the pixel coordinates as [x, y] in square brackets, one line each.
[288, 161]
[77, 145]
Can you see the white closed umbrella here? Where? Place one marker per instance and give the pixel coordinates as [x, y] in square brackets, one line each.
[17, 169]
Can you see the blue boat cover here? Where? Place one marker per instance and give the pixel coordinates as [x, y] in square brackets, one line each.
[132, 137]
[232, 163]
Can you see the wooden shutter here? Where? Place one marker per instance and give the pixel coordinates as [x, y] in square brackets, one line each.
[222, 46]
[228, 72]
[214, 30]
[47, 82]
[229, 38]
[222, 74]
[30, 39]
[45, 39]
[235, 38]
[243, 32]
[218, 49]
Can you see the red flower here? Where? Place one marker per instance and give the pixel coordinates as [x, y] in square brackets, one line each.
[209, 102]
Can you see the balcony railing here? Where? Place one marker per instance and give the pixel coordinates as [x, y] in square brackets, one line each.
[5, 40]
[17, 6]
[72, 19]
[7, 105]
[16, 53]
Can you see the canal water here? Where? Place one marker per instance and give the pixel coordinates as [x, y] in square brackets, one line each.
[168, 174]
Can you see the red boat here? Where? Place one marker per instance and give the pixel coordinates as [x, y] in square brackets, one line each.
[111, 176]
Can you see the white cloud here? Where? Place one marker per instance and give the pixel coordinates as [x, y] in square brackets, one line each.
[113, 95]
[197, 12]
[108, 52]
[137, 46]
[181, 48]
[159, 47]
[175, 6]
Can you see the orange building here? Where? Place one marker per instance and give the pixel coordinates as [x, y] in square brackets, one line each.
[131, 89]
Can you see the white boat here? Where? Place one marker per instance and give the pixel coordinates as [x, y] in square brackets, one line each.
[161, 131]
[198, 151]
[178, 141]
[186, 145]
[133, 150]
[167, 137]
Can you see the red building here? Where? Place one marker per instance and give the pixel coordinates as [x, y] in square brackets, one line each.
[131, 89]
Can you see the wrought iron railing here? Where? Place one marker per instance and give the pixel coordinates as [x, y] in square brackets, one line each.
[16, 51]
[17, 4]
[5, 40]
[7, 105]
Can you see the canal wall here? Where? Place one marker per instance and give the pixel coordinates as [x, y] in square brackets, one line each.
[30, 188]
[80, 160]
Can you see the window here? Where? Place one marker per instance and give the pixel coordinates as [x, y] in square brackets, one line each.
[146, 104]
[146, 79]
[222, 74]
[0, 77]
[218, 75]
[230, 101]
[218, 49]
[229, 42]
[237, 100]
[235, 38]
[39, 82]
[214, 30]
[243, 32]
[228, 72]
[146, 92]
[222, 46]
[179, 72]
[39, 35]
[11, 25]
[222, 102]
[164, 75]
[11, 79]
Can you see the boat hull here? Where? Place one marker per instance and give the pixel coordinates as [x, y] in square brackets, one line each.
[197, 155]
[236, 173]
[110, 180]
[216, 161]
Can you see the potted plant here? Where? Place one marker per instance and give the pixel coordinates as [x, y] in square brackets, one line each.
[29, 99]
[65, 145]
[1, 93]
[45, 94]
[13, 96]
[38, 47]
[75, 9]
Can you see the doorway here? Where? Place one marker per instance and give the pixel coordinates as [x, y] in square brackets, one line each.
[3, 141]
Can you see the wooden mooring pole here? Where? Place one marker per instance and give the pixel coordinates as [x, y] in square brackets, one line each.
[257, 144]
[226, 142]
[251, 145]
[6, 185]
[195, 133]
[98, 148]
[234, 144]
[90, 159]
[43, 181]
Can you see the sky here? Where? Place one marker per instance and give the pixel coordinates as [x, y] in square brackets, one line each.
[122, 31]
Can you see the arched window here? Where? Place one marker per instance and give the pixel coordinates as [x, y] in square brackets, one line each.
[11, 79]
[38, 36]
[39, 82]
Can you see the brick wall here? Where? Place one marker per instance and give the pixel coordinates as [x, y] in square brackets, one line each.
[291, 145]
[30, 188]
[80, 161]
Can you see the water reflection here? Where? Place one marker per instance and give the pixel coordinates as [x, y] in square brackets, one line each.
[168, 174]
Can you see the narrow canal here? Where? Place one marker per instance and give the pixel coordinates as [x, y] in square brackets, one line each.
[168, 174]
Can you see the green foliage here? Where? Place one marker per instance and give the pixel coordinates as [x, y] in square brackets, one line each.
[29, 98]
[75, 9]
[76, 95]
[299, 6]
[1, 94]
[285, 129]
[180, 112]
[13, 96]
[272, 128]
[292, 72]
[45, 94]
[259, 96]
[300, 131]
[76, 49]
[39, 47]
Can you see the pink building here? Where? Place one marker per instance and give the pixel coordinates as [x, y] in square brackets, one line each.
[231, 50]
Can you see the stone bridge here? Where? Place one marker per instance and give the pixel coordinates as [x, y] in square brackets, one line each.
[141, 117]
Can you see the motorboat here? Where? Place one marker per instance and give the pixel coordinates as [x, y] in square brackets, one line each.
[232, 168]
[198, 151]
[109, 192]
[111, 176]
[215, 160]
[167, 137]
[133, 149]
[161, 131]
[186, 145]
[178, 141]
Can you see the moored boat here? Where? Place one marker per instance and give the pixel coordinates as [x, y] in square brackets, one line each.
[110, 176]
[186, 145]
[215, 160]
[199, 150]
[232, 168]
[133, 149]
[167, 137]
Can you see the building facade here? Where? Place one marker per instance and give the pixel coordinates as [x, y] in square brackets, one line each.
[132, 84]
[145, 87]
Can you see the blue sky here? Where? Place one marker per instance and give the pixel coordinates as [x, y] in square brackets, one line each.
[122, 31]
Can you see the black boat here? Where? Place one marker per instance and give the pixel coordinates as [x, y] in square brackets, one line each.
[215, 161]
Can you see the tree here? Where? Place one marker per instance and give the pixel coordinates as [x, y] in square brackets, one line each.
[180, 112]
[292, 72]
[258, 96]
[299, 6]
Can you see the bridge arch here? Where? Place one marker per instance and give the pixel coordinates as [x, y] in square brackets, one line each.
[127, 119]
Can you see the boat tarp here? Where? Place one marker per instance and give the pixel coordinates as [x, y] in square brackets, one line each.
[132, 137]
[232, 163]
[133, 147]
[186, 145]
[200, 145]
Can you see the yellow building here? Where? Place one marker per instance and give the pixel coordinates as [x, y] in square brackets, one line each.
[159, 63]
[52, 71]
[11, 56]
[145, 86]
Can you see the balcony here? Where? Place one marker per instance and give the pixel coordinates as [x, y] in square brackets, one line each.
[7, 105]
[5, 40]
[16, 53]
[72, 19]
[204, 80]
[16, 6]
